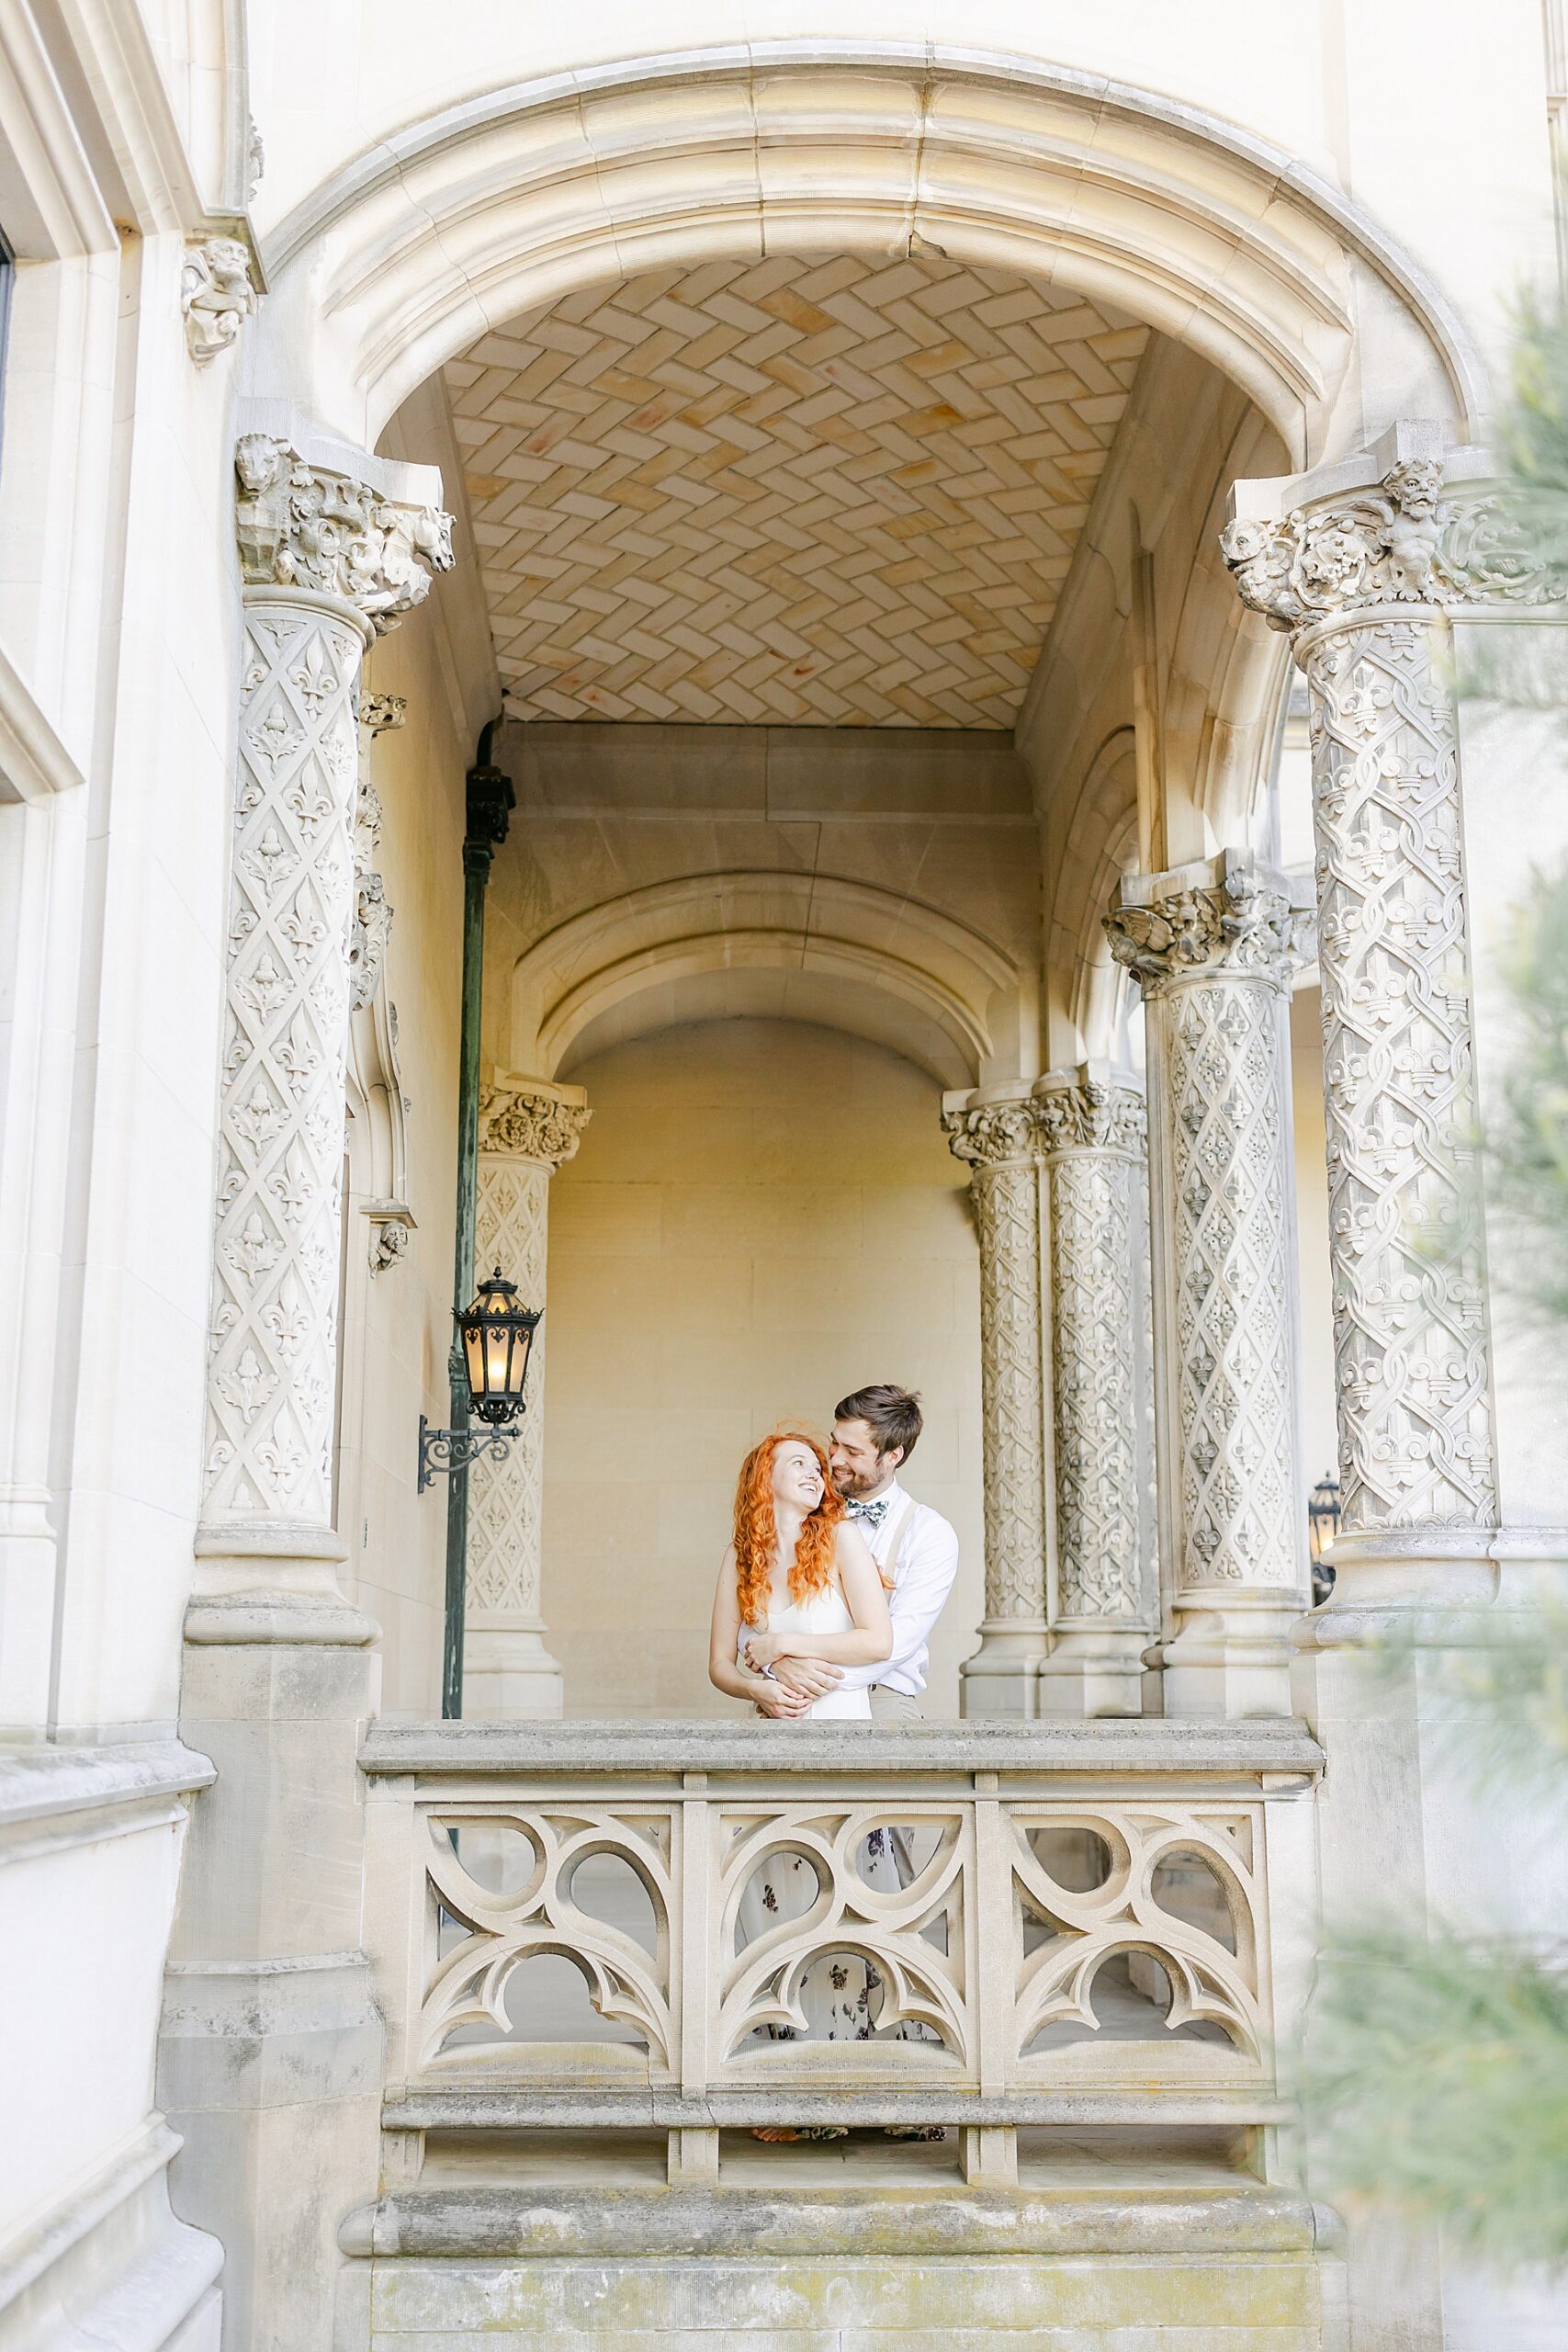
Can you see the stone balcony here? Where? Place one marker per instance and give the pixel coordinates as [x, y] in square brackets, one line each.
[1043, 1858]
[1085, 1977]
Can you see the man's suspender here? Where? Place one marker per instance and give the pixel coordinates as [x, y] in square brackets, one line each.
[901, 1529]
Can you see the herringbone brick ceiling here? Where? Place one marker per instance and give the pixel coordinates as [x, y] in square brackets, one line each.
[799, 492]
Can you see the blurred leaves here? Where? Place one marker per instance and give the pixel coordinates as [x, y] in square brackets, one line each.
[1437, 2085]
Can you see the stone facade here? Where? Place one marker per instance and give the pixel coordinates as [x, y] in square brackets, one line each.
[732, 347]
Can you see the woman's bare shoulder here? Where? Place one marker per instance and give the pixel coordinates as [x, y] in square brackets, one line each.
[849, 1543]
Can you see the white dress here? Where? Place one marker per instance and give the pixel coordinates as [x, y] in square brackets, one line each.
[821, 1612]
[836, 1992]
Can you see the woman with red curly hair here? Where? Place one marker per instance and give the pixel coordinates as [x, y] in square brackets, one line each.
[798, 1581]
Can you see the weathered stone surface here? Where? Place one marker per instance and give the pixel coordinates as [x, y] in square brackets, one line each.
[1121, 2305]
[1110, 1745]
[622, 2222]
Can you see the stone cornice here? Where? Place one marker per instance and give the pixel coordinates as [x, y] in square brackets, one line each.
[1412, 535]
[1228, 916]
[531, 1125]
[305, 525]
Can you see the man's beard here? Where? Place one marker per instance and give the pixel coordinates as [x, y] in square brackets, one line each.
[854, 1485]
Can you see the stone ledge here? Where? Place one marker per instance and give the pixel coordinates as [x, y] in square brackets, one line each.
[1191, 1748]
[52, 1796]
[489, 2223]
[457, 2107]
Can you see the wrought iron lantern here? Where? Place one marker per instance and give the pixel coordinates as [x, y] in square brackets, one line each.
[496, 1335]
[1323, 1526]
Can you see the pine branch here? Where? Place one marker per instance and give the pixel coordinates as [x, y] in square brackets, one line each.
[1438, 2084]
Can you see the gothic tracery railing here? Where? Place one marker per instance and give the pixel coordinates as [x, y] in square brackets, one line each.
[1078, 1925]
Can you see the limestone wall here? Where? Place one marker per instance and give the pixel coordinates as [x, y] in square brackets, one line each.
[762, 1215]
[396, 1322]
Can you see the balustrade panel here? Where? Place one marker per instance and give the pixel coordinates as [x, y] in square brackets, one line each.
[994, 1924]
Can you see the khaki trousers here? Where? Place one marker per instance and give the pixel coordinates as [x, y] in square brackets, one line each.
[894, 1706]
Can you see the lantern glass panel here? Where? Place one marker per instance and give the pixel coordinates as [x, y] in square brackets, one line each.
[517, 1366]
[474, 1355]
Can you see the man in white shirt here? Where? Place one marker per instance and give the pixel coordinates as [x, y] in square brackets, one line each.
[874, 1432]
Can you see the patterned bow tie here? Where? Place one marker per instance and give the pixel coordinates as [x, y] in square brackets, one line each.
[873, 1514]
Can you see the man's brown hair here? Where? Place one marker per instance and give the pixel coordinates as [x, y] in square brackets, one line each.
[892, 1415]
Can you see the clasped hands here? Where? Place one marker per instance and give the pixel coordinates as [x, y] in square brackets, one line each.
[796, 1680]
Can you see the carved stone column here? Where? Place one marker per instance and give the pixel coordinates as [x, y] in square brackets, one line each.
[278, 1677]
[1214, 947]
[998, 1142]
[1105, 1608]
[1363, 582]
[526, 1132]
[1389, 571]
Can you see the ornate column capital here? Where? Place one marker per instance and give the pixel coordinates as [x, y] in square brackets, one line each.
[991, 1135]
[1226, 914]
[1408, 523]
[1084, 1110]
[313, 525]
[538, 1123]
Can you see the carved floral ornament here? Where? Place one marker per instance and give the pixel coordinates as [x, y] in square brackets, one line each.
[1241, 925]
[992, 1136]
[1406, 542]
[301, 525]
[530, 1126]
[1093, 1114]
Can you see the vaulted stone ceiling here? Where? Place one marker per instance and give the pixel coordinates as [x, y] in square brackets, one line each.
[798, 492]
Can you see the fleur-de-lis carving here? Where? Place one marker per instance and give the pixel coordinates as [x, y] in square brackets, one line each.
[293, 1186]
[298, 1056]
[309, 799]
[282, 1460]
[288, 1318]
[303, 929]
[313, 678]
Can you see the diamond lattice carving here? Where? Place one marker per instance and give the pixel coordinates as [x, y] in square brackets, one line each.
[506, 1498]
[805, 492]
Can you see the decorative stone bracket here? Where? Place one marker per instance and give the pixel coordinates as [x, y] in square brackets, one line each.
[392, 1222]
[217, 294]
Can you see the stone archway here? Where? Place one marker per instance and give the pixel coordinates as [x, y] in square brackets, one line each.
[501, 203]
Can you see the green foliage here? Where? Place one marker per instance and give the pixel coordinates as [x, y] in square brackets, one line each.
[1527, 1150]
[1535, 440]
[1437, 2086]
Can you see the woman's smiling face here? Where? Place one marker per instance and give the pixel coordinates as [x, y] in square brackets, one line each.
[797, 1476]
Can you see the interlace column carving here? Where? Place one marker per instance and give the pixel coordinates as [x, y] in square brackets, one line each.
[998, 1142]
[1363, 583]
[327, 563]
[525, 1133]
[1092, 1135]
[1214, 948]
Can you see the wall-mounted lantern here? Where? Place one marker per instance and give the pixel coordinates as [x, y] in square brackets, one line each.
[496, 1333]
[1323, 1526]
